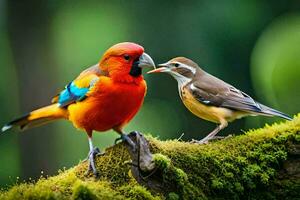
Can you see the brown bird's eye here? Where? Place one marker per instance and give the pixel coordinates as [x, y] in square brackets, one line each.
[126, 57]
[176, 65]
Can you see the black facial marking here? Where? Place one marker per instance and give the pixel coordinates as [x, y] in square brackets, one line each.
[135, 70]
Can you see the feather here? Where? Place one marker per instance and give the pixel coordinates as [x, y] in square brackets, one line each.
[85, 79]
[272, 112]
[73, 92]
[36, 118]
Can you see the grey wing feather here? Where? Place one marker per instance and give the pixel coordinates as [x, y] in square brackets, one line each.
[213, 91]
[210, 90]
[272, 112]
[239, 100]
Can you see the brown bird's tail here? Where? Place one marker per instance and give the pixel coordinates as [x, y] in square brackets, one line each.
[37, 117]
[265, 110]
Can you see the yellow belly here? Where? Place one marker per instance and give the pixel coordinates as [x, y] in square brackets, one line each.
[209, 113]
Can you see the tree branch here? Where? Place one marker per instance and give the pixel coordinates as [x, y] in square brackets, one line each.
[261, 164]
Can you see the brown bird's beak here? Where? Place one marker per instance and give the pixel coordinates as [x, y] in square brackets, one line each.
[163, 68]
[157, 70]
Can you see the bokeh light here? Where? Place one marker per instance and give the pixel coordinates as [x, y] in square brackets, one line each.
[45, 44]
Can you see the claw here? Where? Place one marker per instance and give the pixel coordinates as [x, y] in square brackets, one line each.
[97, 152]
[221, 137]
[92, 166]
[193, 141]
[127, 139]
[134, 133]
[118, 139]
[205, 141]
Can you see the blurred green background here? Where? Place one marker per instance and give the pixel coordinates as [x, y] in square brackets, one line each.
[252, 44]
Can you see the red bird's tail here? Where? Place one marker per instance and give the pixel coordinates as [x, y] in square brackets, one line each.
[37, 117]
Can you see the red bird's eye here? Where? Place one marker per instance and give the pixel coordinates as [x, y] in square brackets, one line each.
[126, 57]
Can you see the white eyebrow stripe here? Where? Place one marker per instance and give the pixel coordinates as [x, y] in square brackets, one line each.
[193, 70]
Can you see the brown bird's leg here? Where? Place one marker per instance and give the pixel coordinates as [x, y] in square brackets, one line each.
[94, 151]
[212, 134]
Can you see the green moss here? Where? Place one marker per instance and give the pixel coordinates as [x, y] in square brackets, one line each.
[82, 191]
[171, 173]
[94, 190]
[137, 192]
[161, 161]
[250, 166]
[173, 196]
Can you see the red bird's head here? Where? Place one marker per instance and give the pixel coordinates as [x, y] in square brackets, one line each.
[124, 62]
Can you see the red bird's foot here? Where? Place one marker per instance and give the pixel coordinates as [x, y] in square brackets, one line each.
[125, 138]
[92, 166]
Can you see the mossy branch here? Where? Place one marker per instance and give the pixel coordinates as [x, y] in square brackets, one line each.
[261, 164]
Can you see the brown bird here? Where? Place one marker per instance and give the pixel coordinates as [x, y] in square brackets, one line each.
[210, 98]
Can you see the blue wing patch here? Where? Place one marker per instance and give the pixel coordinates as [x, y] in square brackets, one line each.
[73, 93]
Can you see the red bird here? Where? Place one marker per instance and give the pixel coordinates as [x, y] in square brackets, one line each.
[104, 96]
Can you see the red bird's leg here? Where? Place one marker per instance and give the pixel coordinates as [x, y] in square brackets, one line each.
[94, 151]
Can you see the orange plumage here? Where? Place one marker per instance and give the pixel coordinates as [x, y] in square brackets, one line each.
[110, 104]
[104, 96]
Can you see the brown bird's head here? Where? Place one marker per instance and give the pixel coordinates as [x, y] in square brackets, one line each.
[181, 68]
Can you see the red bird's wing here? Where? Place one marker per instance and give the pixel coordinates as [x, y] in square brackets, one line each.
[92, 70]
[78, 89]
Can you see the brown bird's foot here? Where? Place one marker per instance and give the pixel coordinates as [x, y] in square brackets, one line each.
[193, 141]
[220, 137]
[126, 138]
[211, 135]
[206, 140]
[91, 158]
[217, 137]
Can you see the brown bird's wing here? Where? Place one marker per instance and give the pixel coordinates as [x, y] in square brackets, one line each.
[212, 91]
